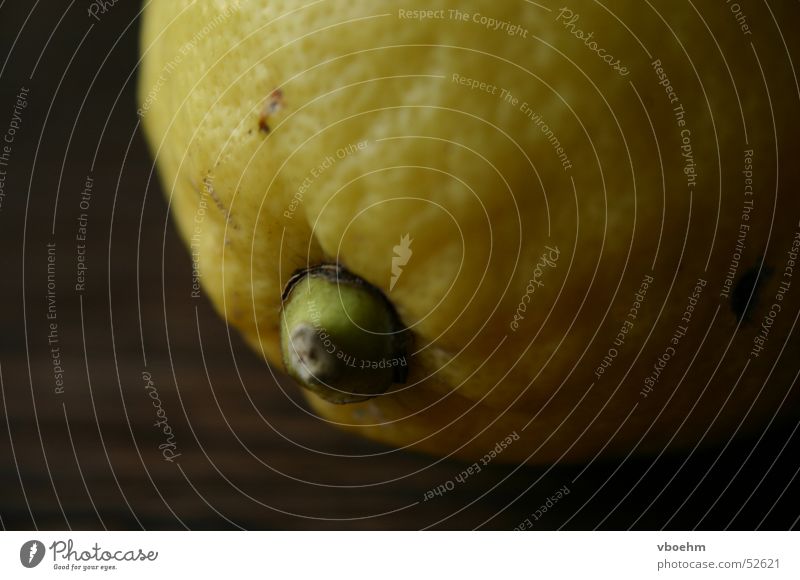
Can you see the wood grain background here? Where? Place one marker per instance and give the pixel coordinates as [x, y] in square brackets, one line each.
[251, 455]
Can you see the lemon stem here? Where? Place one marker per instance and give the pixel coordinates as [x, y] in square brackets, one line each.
[308, 357]
[340, 336]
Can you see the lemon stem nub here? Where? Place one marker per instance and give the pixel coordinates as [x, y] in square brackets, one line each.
[308, 357]
[340, 336]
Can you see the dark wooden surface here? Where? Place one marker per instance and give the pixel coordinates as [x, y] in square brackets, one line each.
[251, 455]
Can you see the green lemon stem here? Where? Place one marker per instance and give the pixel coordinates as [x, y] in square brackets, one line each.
[340, 336]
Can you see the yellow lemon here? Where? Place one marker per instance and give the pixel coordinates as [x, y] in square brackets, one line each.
[524, 230]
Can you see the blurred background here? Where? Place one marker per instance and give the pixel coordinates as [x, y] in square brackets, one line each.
[95, 327]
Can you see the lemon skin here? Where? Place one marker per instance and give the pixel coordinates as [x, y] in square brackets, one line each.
[290, 134]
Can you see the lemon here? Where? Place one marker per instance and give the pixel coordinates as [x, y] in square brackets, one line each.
[583, 219]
